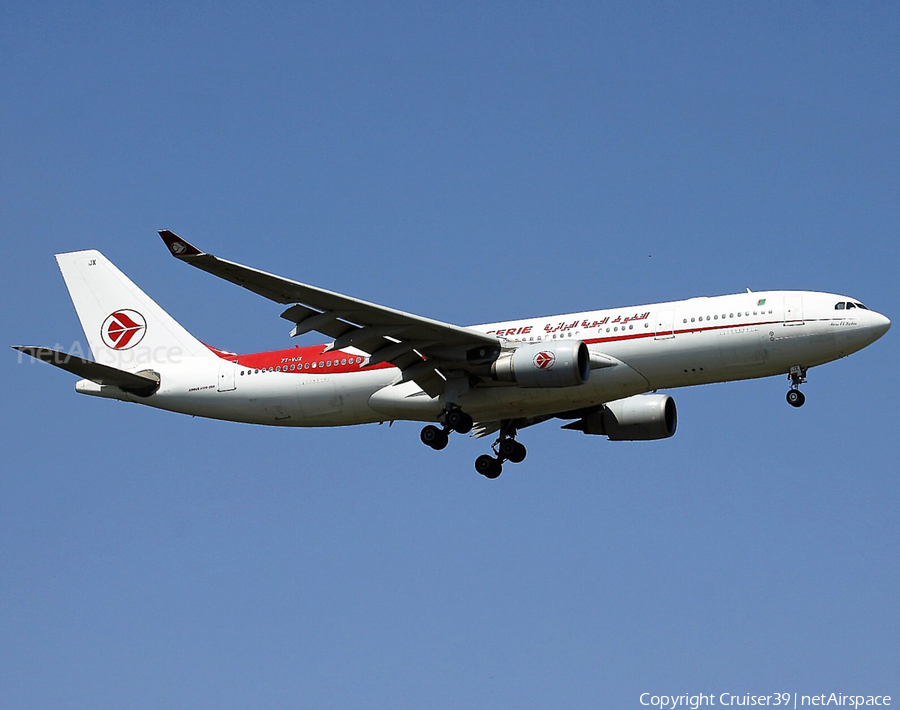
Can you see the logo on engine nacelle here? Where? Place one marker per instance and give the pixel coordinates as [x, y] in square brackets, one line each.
[123, 329]
[544, 360]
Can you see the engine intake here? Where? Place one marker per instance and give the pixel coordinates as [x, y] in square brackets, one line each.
[560, 364]
[643, 417]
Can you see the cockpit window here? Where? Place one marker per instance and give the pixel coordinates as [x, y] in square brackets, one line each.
[850, 305]
[860, 305]
[840, 306]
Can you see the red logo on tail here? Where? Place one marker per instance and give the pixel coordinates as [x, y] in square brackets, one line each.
[123, 329]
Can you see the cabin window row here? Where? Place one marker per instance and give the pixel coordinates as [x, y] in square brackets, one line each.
[561, 336]
[306, 366]
[740, 314]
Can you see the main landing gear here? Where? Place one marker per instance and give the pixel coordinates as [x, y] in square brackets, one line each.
[797, 376]
[436, 438]
[506, 448]
[453, 419]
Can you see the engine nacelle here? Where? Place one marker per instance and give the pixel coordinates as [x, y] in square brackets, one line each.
[559, 364]
[643, 417]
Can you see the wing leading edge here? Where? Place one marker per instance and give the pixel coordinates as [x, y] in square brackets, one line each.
[427, 351]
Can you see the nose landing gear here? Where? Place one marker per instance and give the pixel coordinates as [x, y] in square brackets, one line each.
[797, 376]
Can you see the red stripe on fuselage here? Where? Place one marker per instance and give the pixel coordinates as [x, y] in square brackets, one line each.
[669, 333]
[306, 360]
[302, 358]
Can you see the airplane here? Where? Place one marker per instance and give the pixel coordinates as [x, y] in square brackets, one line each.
[599, 370]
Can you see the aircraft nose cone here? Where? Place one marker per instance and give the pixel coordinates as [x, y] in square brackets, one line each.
[880, 324]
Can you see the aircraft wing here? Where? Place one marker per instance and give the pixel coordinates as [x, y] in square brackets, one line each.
[427, 351]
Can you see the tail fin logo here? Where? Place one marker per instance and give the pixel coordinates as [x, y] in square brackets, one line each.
[123, 329]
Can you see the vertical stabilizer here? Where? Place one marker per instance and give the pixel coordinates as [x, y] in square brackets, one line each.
[124, 327]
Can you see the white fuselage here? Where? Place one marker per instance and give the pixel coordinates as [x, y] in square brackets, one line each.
[651, 347]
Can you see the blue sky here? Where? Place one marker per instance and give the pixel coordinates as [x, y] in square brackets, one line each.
[471, 163]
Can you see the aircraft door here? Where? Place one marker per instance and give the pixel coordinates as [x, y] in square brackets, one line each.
[665, 325]
[226, 376]
[793, 310]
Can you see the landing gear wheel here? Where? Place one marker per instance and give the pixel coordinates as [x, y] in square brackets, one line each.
[435, 438]
[488, 466]
[518, 454]
[512, 450]
[795, 398]
[459, 421]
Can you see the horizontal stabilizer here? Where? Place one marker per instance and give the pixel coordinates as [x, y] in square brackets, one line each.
[139, 384]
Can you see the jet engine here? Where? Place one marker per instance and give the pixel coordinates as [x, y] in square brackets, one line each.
[559, 364]
[640, 418]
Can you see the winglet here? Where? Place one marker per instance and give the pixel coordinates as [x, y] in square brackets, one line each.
[178, 246]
